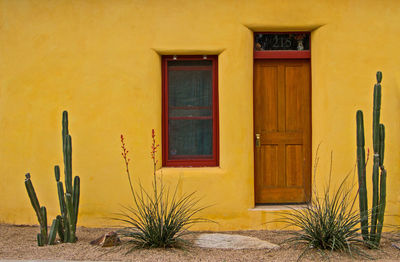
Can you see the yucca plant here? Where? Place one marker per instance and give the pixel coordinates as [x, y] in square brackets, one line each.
[158, 218]
[327, 223]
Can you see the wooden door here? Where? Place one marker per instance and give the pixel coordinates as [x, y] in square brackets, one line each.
[282, 121]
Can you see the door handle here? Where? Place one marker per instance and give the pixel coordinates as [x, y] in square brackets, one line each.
[258, 140]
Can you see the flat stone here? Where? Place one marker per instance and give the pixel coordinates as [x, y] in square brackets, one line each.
[396, 245]
[228, 241]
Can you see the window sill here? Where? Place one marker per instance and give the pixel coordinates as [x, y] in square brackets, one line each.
[190, 170]
[278, 207]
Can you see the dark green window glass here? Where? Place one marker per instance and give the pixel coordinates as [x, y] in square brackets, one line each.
[275, 41]
[190, 109]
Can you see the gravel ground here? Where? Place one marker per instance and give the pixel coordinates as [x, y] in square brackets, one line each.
[19, 242]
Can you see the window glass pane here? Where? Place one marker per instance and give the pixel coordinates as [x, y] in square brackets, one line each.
[190, 138]
[190, 109]
[290, 41]
[189, 88]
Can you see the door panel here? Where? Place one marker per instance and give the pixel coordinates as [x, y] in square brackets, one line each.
[294, 98]
[267, 104]
[282, 117]
[294, 165]
[269, 159]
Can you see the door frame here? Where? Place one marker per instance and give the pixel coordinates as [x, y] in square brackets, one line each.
[282, 55]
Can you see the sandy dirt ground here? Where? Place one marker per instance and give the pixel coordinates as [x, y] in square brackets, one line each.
[19, 242]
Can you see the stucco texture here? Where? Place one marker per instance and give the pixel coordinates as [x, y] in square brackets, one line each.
[101, 61]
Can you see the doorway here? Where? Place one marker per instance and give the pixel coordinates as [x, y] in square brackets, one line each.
[282, 127]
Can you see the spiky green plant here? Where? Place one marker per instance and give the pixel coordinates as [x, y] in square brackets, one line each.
[64, 225]
[372, 238]
[157, 218]
[329, 222]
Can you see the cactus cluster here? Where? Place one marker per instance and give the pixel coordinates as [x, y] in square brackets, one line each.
[371, 233]
[64, 224]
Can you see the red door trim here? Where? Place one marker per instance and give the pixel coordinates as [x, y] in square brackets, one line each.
[282, 54]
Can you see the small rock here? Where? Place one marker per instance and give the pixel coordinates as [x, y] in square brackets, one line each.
[396, 245]
[107, 240]
[217, 240]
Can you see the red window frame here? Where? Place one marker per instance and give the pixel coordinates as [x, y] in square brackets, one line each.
[190, 161]
[282, 54]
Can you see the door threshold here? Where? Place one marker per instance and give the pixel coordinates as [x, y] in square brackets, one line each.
[278, 207]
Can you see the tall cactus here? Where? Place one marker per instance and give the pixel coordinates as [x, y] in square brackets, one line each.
[69, 201]
[378, 171]
[64, 224]
[362, 175]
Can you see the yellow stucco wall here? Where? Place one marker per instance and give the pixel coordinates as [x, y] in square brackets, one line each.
[100, 60]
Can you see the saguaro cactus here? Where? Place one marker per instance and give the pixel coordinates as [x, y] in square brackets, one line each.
[64, 224]
[378, 172]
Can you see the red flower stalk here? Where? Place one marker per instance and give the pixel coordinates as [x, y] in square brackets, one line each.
[154, 147]
[124, 150]
[126, 159]
[153, 152]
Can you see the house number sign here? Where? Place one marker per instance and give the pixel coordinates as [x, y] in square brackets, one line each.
[289, 41]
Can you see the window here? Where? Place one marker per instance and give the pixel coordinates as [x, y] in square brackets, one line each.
[190, 111]
[282, 45]
[298, 41]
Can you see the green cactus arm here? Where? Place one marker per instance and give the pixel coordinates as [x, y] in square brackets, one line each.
[60, 191]
[360, 128]
[70, 209]
[376, 117]
[68, 164]
[33, 197]
[64, 225]
[60, 228]
[64, 125]
[53, 232]
[75, 198]
[361, 168]
[57, 173]
[375, 197]
[71, 216]
[381, 144]
[66, 229]
[65, 133]
[65, 159]
[39, 240]
[379, 77]
[43, 227]
[382, 206]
